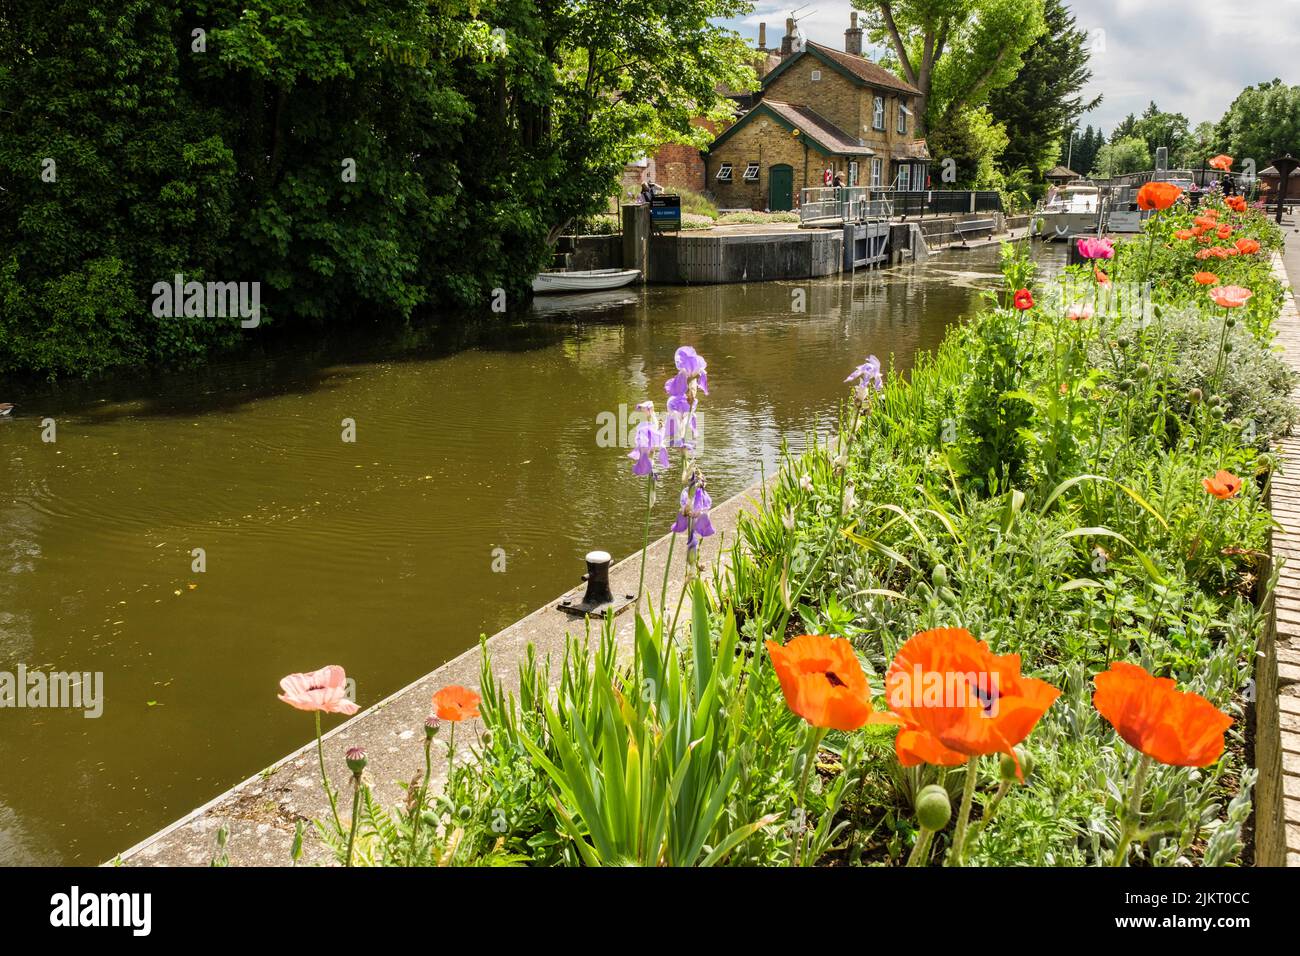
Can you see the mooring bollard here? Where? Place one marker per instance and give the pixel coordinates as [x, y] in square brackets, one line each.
[599, 598]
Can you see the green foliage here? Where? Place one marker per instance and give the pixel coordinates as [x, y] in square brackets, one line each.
[356, 160]
[1127, 155]
[1262, 123]
[1043, 100]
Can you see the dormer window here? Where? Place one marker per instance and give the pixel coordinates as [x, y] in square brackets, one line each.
[816, 75]
[724, 173]
[878, 113]
[751, 173]
[903, 113]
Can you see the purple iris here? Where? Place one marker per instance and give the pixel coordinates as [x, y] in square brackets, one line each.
[868, 376]
[693, 517]
[648, 451]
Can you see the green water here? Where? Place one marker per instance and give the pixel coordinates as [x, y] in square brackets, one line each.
[378, 554]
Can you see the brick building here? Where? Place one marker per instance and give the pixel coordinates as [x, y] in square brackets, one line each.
[820, 112]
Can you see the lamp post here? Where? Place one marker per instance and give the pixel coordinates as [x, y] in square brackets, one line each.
[1285, 166]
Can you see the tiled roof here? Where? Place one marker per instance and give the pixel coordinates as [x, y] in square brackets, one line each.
[864, 69]
[819, 128]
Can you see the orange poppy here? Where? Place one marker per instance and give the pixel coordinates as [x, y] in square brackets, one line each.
[1236, 203]
[1103, 280]
[1224, 232]
[1223, 485]
[1158, 196]
[1230, 296]
[456, 703]
[1153, 716]
[1222, 161]
[823, 683]
[958, 700]
[1184, 234]
[1204, 223]
[1206, 278]
[1247, 247]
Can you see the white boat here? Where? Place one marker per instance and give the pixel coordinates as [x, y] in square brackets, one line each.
[1075, 212]
[585, 281]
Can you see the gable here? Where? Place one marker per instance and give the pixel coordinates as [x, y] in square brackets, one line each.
[858, 70]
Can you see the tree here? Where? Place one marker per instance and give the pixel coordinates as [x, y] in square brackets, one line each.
[956, 52]
[1262, 123]
[1157, 129]
[1082, 156]
[1129, 155]
[1125, 129]
[357, 160]
[1198, 147]
[1043, 102]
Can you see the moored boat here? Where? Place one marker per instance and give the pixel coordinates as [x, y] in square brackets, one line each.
[589, 280]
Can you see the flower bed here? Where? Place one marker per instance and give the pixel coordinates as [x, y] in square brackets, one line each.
[1007, 615]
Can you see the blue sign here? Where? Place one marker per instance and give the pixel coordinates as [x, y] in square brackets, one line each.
[666, 212]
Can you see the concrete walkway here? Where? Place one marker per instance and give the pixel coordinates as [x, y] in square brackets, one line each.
[260, 814]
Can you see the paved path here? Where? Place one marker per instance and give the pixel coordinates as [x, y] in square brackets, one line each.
[1280, 673]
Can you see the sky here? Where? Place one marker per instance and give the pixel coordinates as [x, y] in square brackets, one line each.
[1190, 56]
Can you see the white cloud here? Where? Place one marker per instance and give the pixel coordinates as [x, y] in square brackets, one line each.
[1190, 56]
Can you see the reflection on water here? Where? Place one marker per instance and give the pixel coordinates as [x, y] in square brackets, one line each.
[376, 554]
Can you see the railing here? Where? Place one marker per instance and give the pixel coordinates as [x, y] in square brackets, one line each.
[830, 204]
[941, 202]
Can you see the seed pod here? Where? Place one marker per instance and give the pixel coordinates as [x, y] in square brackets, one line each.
[933, 808]
[940, 576]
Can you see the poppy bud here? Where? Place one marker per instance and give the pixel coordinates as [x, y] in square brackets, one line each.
[1008, 765]
[1126, 385]
[940, 576]
[1227, 347]
[933, 808]
[1230, 322]
[356, 758]
[1143, 370]
[1123, 342]
[1195, 396]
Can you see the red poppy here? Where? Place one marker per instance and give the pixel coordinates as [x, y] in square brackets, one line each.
[957, 700]
[1236, 203]
[1103, 280]
[1224, 232]
[1185, 234]
[823, 683]
[1023, 300]
[1157, 196]
[1205, 223]
[1206, 278]
[1222, 161]
[1153, 716]
[1247, 247]
[456, 703]
[1223, 485]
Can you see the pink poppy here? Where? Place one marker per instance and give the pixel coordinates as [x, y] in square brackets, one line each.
[1230, 296]
[325, 689]
[1092, 248]
[1080, 310]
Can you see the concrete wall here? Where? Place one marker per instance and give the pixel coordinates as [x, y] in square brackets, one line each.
[706, 259]
[591, 252]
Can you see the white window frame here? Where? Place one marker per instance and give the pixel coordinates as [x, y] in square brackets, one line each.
[751, 173]
[905, 177]
[877, 171]
[816, 76]
[902, 117]
[853, 172]
[724, 173]
[878, 113]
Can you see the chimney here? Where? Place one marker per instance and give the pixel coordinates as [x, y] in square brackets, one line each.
[762, 37]
[853, 36]
[787, 41]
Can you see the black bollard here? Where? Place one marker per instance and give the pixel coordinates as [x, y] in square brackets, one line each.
[599, 598]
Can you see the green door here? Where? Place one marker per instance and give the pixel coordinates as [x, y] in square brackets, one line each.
[780, 188]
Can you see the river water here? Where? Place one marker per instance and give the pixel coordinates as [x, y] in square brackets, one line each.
[477, 480]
